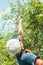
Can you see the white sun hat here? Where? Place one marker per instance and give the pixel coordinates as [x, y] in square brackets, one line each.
[13, 46]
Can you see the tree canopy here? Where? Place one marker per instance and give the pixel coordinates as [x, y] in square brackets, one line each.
[32, 15]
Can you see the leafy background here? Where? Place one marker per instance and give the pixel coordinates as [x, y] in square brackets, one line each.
[32, 15]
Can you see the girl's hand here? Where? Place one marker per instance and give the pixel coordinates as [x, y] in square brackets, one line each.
[20, 20]
[26, 50]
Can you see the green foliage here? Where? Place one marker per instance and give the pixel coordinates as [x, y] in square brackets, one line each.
[32, 15]
[5, 57]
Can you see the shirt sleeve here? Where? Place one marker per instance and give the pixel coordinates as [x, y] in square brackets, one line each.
[29, 58]
[14, 36]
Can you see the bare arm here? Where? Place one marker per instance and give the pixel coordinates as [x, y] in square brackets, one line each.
[27, 50]
[20, 33]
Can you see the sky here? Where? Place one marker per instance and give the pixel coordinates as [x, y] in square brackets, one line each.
[4, 4]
